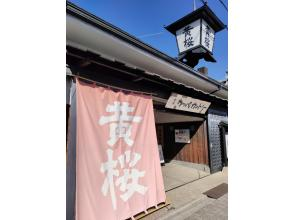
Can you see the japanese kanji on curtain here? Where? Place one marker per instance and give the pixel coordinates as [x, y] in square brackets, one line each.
[118, 171]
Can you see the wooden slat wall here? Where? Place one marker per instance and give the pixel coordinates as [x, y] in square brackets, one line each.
[195, 152]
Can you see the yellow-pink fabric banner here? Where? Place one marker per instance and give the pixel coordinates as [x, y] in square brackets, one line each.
[118, 170]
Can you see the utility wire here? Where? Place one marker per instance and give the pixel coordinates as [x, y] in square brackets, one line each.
[204, 2]
[221, 1]
[223, 4]
[150, 35]
[194, 7]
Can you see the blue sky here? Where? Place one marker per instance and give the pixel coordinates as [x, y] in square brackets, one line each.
[140, 18]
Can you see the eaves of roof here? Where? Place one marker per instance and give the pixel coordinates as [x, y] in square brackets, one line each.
[89, 18]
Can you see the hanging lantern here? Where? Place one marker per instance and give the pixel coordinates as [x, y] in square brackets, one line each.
[195, 35]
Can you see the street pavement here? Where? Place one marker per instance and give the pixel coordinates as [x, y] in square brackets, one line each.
[188, 201]
[175, 175]
[202, 209]
[213, 210]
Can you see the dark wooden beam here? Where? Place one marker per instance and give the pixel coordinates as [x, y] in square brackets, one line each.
[138, 79]
[84, 63]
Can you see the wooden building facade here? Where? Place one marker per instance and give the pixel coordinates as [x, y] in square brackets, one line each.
[96, 51]
[108, 68]
[195, 152]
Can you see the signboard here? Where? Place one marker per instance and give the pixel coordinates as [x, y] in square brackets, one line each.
[160, 153]
[185, 103]
[188, 37]
[195, 34]
[207, 36]
[182, 136]
[118, 173]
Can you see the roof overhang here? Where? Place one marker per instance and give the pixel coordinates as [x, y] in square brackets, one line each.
[89, 33]
[162, 117]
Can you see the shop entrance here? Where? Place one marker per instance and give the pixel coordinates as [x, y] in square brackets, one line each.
[182, 137]
[184, 144]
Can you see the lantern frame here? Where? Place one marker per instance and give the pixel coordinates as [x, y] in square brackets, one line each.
[202, 13]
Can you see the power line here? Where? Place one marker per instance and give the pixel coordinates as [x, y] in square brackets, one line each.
[221, 1]
[204, 2]
[194, 7]
[150, 35]
[223, 4]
